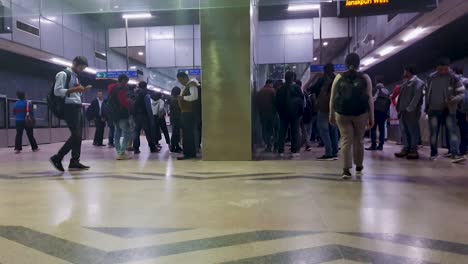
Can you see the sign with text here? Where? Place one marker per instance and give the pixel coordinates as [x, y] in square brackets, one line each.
[191, 72]
[319, 68]
[116, 74]
[348, 8]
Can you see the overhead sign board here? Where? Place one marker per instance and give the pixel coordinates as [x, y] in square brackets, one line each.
[191, 72]
[349, 8]
[116, 74]
[319, 68]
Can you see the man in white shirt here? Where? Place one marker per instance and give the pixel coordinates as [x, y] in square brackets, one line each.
[186, 101]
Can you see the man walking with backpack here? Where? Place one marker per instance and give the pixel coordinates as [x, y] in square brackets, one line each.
[352, 108]
[381, 111]
[68, 88]
[143, 118]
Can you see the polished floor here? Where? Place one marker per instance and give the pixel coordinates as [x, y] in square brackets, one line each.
[154, 209]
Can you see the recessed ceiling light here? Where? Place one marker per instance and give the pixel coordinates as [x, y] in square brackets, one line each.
[137, 16]
[141, 53]
[315, 58]
[8, 28]
[305, 7]
[387, 50]
[101, 9]
[116, 6]
[325, 44]
[414, 33]
[133, 67]
[368, 61]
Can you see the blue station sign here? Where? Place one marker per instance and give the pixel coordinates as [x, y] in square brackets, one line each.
[191, 72]
[116, 74]
[319, 68]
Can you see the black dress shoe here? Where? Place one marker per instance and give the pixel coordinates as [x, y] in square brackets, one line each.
[185, 158]
[77, 166]
[101, 145]
[57, 163]
[136, 151]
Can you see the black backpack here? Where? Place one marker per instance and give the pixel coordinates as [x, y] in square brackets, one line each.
[351, 98]
[56, 103]
[382, 102]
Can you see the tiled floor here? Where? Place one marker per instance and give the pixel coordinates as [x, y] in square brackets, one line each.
[154, 209]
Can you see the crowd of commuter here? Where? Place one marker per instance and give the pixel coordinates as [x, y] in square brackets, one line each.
[342, 107]
[328, 108]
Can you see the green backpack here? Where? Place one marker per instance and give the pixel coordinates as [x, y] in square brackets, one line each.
[351, 98]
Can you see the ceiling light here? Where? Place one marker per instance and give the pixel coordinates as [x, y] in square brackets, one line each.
[141, 53]
[101, 9]
[137, 16]
[8, 28]
[325, 44]
[116, 6]
[133, 67]
[90, 70]
[305, 7]
[387, 50]
[315, 58]
[368, 61]
[133, 82]
[61, 62]
[167, 92]
[414, 33]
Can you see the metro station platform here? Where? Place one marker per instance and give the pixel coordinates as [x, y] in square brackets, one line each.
[156, 209]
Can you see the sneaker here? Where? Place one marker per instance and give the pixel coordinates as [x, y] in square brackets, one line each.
[17, 151]
[372, 148]
[35, 150]
[434, 157]
[457, 159]
[308, 148]
[346, 174]
[77, 166]
[413, 156]
[326, 158]
[295, 155]
[111, 146]
[359, 171]
[403, 153]
[335, 157]
[57, 163]
[447, 155]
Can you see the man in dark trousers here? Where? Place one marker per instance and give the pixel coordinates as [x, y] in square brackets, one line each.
[265, 101]
[95, 112]
[186, 101]
[71, 92]
[143, 118]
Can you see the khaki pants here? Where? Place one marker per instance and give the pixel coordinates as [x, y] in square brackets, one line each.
[352, 129]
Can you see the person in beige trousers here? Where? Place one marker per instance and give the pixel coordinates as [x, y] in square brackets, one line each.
[352, 108]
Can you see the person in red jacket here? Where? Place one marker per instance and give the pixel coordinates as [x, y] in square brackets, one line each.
[119, 105]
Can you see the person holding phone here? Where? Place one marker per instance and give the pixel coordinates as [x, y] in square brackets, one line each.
[72, 113]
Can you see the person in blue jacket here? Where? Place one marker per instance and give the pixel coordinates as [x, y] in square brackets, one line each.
[22, 109]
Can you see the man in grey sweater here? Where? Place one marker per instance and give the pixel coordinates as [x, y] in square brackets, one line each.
[444, 93]
[409, 111]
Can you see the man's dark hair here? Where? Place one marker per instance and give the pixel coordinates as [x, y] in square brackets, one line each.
[182, 75]
[21, 95]
[458, 70]
[353, 61]
[411, 69]
[443, 61]
[379, 79]
[142, 85]
[329, 68]
[123, 78]
[176, 91]
[81, 61]
[269, 82]
[290, 76]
